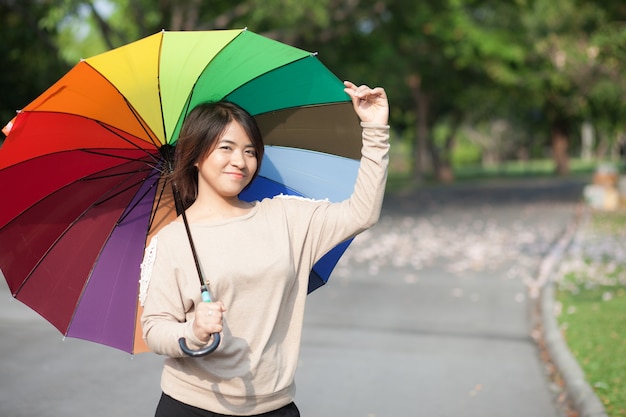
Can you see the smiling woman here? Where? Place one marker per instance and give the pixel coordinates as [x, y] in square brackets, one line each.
[229, 167]
[227, 170]
[257, 257]
[91, 157]
[219, 153]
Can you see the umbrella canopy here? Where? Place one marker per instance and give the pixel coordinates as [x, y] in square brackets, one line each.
[82, 168]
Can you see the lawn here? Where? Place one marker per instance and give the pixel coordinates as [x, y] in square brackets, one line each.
[401, 178]
[592, 298]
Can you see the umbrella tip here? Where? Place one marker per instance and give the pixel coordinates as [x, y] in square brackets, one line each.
[7, 129]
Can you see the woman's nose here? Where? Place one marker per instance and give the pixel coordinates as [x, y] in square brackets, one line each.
[237, 159]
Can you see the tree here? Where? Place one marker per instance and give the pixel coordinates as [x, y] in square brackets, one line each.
[532, 63]
[573, 66]
[30, 61]
[481, 59]
[452, 52]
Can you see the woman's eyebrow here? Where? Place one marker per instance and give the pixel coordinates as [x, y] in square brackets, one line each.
[232, 142]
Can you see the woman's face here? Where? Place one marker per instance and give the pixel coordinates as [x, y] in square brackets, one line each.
[230, 165]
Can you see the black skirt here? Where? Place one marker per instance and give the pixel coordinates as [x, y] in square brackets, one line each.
[170, 407]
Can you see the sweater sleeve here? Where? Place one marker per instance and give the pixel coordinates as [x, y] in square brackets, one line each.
[168, 313]
[332, 224]
[367, 199]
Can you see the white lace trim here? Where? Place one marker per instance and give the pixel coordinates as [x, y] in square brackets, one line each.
[297, 197]
[146, 269]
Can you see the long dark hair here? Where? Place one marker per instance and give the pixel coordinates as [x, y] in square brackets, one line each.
[202, 127]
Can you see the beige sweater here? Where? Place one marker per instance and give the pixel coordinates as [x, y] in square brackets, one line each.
[258, 265]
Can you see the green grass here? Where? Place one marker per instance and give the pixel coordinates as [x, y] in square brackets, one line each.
[401, 178]
[609, 222]
[534, 167]
[593, 315]
[596, 335]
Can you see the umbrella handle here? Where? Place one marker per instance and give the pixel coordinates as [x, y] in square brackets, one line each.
[205, 350]
[200, 352]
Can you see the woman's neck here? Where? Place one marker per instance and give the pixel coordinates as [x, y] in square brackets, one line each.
[203, 210]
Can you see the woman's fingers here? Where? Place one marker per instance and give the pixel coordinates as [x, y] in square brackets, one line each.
[208, 319]
[370, 104]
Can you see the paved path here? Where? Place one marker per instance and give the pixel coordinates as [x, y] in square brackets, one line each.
[427, 315]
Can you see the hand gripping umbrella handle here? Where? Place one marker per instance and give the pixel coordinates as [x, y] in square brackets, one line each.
[205, 350]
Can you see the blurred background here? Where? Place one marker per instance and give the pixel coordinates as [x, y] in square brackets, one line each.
[477, 87]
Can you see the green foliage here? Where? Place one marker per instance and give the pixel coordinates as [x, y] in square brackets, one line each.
[29, 56]
[466, 153]
[570, 51]
[531, 62]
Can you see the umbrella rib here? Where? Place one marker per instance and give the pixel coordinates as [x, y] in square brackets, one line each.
[107, 127]
[156, 164]
[123, 190]
[158, 202]
[131, 208]
[193, 89]
[120, 174]
[138, 117]
[311, 55]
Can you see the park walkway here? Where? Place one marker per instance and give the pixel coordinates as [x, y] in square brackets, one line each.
[427, 315]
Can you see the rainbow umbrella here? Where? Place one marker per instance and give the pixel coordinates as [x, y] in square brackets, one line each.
[82, 167]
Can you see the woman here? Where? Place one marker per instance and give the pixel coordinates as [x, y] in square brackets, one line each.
[257, 258]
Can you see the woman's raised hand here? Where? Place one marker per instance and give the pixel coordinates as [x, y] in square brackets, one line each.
[370, 104]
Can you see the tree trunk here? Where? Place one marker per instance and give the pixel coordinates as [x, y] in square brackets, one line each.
[560, 141]
[421, 162]
[184, 15]
[445, 173]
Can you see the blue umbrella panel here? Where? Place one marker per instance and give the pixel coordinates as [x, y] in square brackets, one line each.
[309, 174]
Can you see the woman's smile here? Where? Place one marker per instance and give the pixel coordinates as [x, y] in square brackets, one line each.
[230, 165]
